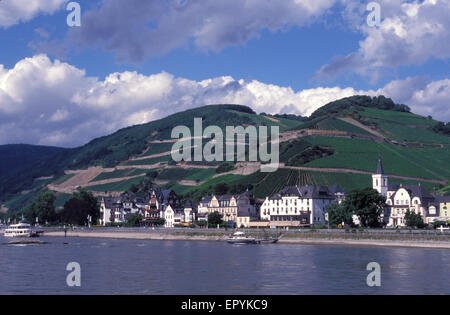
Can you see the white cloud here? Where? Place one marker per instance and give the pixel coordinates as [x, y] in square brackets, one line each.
[425, 98]
[411, 33]
[144, 29]
[15, 11]
[54, 103]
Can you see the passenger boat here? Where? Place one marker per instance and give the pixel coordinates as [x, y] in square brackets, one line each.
[239, 238]
[18, 230]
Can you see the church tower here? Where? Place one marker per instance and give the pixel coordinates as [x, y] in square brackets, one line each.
[380, 180]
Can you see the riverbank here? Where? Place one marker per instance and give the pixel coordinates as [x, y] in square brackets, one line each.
[420, 241]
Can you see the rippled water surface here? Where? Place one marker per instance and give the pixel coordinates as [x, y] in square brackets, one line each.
[181, 267]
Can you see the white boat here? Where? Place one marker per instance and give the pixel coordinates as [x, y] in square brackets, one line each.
[18, 230]
[240, 238]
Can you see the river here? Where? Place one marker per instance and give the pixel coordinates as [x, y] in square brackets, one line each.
[199, 268]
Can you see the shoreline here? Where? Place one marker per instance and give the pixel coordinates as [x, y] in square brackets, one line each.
[221, 238]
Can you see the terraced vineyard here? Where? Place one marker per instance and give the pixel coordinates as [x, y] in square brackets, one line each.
[356, 130]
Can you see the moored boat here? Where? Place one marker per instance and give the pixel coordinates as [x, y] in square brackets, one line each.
[239, 238]
[18, 230]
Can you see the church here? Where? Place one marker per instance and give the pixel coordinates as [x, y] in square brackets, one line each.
[401, 198]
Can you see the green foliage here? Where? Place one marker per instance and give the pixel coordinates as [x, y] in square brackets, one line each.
[43, 208]
[77, 209]
[172, 162]
[414, 220]
[221, 189]
[173, 174]
[19, 157]
[201, 223]
[309, 155]
[339, 125]
[214, 219]
[290, 149]
[114, 174]
[117, 186]
[367, 204]
[443, 128]
[362, 155]
[437, 224]
[337, 214]
[350, 103]
[225, 167]
[159, 222]
[134, 220]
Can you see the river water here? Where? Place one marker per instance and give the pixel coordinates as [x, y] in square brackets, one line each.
[199, 268]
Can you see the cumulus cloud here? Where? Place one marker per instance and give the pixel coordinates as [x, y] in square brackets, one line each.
[143, 29]
[15, 11]
[49, 102]
[410, 33]
[425, 98]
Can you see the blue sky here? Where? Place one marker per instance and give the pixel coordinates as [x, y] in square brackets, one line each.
[136, 61]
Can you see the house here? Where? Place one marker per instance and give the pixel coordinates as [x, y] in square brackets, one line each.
[401, 198]
[229, 207]
[301, 205]
[178, 216]
[338, 193]
[116, 209]
[189, 213]
[444, 207]
[157, 203]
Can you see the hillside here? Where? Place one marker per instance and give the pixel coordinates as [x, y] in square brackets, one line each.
[338, 144]
[15, 158]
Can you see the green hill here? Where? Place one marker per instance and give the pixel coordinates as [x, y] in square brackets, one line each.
[16, 157]
[338, 144]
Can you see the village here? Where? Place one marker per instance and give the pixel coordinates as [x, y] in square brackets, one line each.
[292, 207]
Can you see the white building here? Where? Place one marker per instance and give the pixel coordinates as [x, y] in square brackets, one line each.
[232, 208]
[302, 204]
[401, 198]
[178, 216]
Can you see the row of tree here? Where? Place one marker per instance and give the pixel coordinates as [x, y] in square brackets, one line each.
[81, 208]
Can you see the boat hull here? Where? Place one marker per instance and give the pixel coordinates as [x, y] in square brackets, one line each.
[242, 241]
[15, 235]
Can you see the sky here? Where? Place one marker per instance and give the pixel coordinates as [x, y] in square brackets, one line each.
[134, 61]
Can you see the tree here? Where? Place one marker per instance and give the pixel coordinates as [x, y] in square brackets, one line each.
[221, 189]
[367, 204]
[214, 218]
[81, 205]
[413, 220]
[134, 220]
[159, 222]
[43, 208]
[337, 214]
[75, 212]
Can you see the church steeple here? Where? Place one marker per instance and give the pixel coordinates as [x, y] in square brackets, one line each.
[380, 165]
[379, 179]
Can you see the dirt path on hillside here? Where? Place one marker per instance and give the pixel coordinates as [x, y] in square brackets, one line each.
[243, 168]
[83, 178]
[364, 127]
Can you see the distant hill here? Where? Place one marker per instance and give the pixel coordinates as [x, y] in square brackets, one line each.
[352, 102]
[15, 157]
[338, 144]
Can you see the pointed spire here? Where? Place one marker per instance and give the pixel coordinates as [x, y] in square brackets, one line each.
[380, 165]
